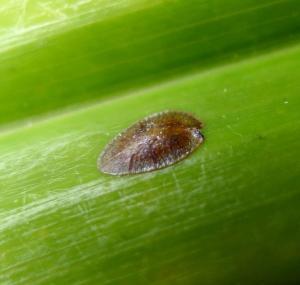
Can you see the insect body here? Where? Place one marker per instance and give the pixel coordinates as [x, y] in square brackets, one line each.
[155, 142]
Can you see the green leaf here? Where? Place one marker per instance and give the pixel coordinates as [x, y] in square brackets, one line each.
[229, 214]
[104, 50]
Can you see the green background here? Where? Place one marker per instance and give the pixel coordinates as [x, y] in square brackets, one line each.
[229, 214]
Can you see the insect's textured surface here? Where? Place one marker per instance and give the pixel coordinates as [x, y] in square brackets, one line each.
[152, 143]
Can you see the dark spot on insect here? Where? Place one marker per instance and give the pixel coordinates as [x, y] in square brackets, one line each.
[155, 142]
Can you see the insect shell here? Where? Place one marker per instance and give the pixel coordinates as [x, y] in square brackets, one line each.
[155, 142]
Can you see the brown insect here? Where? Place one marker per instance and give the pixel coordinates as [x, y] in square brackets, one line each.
[155, 142]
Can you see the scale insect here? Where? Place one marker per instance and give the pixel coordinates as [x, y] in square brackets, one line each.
[154, 142]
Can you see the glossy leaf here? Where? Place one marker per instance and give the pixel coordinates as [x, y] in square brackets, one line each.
[229, 214]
